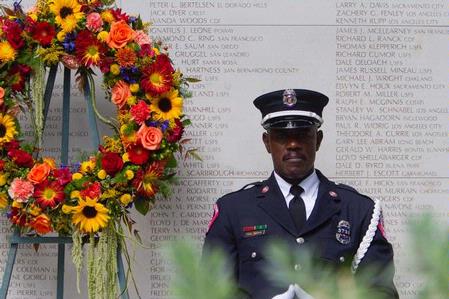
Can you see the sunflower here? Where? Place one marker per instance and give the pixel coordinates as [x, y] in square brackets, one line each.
[89, 215]
[7, 128]
[49, 194]
[168, 106]
[67, 12]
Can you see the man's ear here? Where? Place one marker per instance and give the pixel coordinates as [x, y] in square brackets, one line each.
[266, 141]
[319, 138]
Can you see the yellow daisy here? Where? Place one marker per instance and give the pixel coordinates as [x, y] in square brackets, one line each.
[67, 12]
[8, 129]
[90, 216]
[7, 52]
[167, 106]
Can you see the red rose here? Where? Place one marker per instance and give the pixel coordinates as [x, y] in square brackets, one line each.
[2, 165]
[111, 163]
[21, 158]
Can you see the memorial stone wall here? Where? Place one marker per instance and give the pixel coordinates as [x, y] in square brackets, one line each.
[383, 64]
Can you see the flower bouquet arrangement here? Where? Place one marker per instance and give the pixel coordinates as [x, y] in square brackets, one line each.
[93, 198]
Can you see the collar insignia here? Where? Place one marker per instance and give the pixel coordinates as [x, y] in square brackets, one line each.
[333, 194]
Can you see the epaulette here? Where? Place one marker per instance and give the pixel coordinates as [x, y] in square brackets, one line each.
[253, 184]
[352, 189]
[245, 187]
[347, 187]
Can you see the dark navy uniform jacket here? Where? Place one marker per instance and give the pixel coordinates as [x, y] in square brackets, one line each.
[264, 204]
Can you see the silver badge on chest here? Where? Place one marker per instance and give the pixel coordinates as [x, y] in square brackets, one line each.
[343, 234]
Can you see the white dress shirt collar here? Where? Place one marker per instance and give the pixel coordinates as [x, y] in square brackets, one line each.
[310, 185]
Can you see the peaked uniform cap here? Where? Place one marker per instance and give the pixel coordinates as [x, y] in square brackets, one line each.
[291, 108]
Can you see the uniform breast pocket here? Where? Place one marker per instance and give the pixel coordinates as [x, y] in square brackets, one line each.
[251, 249]
[251, 263]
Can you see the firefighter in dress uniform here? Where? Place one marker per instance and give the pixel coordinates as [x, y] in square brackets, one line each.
[299, 205]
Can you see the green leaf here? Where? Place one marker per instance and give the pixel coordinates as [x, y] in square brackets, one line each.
[172, 163]
[142, 205]
[186, 122]
[192, 80]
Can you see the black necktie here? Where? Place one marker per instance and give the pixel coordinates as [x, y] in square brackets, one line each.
[297, 208]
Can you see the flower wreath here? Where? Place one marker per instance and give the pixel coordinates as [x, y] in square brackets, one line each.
[131, 167]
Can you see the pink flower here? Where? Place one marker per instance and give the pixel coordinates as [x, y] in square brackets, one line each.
[94, 22]
[21, 190]
[150, 137]
[120, 93]
[141, 38]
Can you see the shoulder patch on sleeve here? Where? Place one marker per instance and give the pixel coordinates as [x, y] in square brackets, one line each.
[214, 217]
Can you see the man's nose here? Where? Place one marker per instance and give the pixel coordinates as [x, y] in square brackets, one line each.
[293, 142]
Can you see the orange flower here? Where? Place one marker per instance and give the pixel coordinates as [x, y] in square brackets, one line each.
[39, 173]
[126, 57]
[150, 137]
[119, 35]
[2, 95]
[120, 93]
[41, 224]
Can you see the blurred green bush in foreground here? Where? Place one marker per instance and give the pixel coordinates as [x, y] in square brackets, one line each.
[211, 279]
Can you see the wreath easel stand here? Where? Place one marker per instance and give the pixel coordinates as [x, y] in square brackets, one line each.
[16, 238]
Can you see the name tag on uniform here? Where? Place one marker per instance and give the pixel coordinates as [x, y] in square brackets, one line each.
[254, 230]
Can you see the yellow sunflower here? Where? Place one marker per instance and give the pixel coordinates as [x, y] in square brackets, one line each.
[167, 106]
[67, 12]
[8, 129]
[90, 216]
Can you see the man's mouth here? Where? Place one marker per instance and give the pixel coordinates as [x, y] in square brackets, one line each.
[294, 158]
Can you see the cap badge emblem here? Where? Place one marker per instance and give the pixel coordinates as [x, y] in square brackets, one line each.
[289, 97]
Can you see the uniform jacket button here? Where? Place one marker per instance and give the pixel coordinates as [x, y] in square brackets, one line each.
[342, 259]
[253, 254]
[300, 241]
[297, 267]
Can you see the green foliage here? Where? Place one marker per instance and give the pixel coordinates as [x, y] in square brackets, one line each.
[430, 252]
[142, 205]
[430, 246]
[320, 282]
[210, 279]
